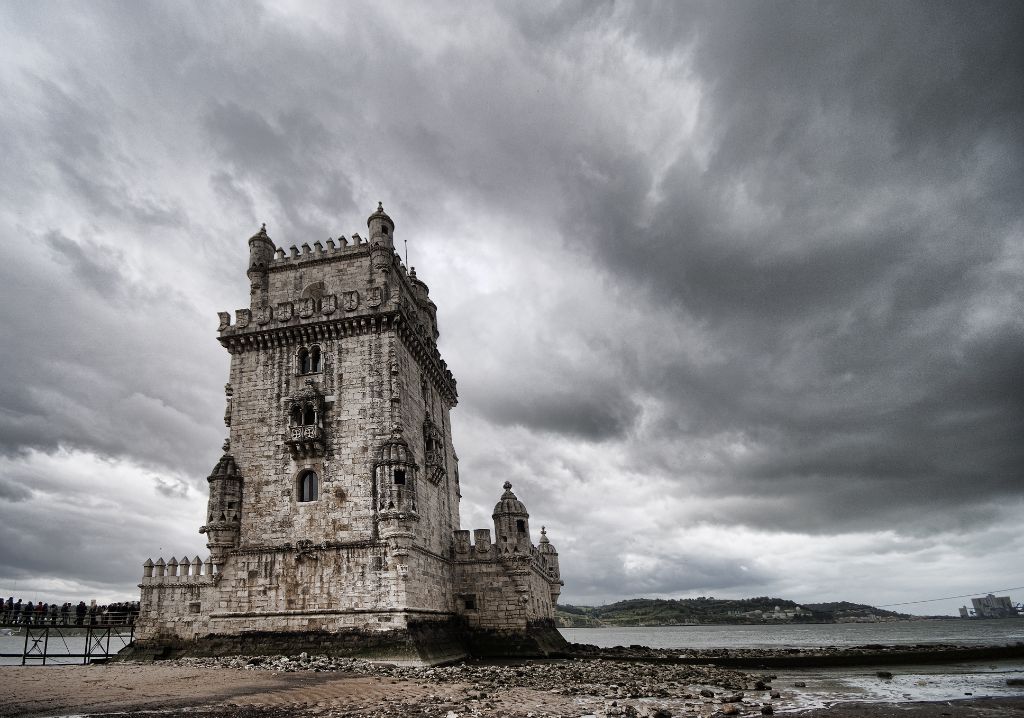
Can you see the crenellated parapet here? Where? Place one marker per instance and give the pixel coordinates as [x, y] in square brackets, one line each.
[178, 571]
[297, 298]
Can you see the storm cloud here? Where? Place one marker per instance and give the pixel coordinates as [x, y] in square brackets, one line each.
[733, 292]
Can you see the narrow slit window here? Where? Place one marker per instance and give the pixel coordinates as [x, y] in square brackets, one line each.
[400, 477]
[309, 487]
[521, 526]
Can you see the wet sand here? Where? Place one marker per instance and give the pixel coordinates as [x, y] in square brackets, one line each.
[272, 688]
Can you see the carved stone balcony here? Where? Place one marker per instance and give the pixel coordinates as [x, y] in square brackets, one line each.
[435, 470]
[304, 441]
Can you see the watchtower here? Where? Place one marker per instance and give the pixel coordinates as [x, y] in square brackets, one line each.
[334, 510]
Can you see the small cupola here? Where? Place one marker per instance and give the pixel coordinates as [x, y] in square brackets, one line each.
[511, 524]
[382, 229]
[545, 544]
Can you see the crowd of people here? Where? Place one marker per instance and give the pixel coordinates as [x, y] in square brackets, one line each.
[67, 614]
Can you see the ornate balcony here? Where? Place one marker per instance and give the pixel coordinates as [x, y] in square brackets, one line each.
[305, 441]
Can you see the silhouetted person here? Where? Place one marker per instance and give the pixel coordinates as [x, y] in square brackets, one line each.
[80, 611]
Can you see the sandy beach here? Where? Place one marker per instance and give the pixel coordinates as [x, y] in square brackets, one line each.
[272, 687]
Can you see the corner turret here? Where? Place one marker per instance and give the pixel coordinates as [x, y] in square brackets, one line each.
[511, 525]
[382, 229]
[224, 509]
[261, 253]
[549, 563]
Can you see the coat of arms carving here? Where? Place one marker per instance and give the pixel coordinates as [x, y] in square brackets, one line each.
[374, 297]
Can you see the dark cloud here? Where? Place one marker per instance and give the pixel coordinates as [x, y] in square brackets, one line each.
[738, 268]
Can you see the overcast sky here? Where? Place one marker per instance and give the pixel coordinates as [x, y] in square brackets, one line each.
[732, 291]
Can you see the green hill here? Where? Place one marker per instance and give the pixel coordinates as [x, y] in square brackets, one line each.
[693, 611]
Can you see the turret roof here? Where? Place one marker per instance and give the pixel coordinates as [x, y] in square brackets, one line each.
[509, 504]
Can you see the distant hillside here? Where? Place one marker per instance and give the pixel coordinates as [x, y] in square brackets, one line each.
[690, 611]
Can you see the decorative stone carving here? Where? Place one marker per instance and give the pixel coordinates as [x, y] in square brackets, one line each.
[305, 435]
[264, 315]
[242, 317]
[329, 304]
[374, 297]
[350, 301]
[285, 311]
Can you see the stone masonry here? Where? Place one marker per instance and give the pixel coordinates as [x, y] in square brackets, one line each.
[333, 517]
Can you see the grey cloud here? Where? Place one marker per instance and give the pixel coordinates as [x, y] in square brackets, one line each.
[13, 493]
[839, 227]
[290, 157]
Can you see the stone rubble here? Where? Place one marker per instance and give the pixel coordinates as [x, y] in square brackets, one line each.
[532, 689]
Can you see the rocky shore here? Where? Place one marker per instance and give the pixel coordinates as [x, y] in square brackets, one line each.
[576, 687]
[633, 682]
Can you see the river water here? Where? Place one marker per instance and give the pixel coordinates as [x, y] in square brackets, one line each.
[823, 687]
[957, 631]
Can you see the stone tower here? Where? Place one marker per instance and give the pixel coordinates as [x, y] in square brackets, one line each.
[333, 517]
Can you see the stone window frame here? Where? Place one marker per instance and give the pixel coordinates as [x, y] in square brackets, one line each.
[300, 485]
[305, 353]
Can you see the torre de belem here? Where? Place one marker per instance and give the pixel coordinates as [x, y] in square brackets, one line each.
[333, 517]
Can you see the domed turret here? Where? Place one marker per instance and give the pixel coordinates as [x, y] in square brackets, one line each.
[395, 472]
[549, 563]
[224, 507]
[382, 229]
[261, 253]
[511, 524]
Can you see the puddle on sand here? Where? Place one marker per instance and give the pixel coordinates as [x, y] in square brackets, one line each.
[826, 687]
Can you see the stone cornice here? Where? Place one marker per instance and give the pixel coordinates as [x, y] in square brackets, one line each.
[259, 338]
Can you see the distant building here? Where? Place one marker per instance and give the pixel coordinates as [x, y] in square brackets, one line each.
[990, 606]
[993, 607]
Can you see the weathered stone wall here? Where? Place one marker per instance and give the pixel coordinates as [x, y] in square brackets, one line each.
[495, 593]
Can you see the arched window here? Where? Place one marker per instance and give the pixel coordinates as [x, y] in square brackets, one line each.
[309, 360]
[308, 486]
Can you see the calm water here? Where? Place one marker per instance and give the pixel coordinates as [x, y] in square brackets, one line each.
[824, 687]
[958, 631]
[56, 646]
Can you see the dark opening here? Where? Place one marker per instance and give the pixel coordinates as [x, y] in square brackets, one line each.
[400, 476]
[520, 526]
[470, 603]
[309, 417]
[308, 486]
[314, 359]
[304, 364]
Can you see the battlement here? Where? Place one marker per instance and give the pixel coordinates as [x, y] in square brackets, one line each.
[331, 249]
[175, 571]
[479, 549]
